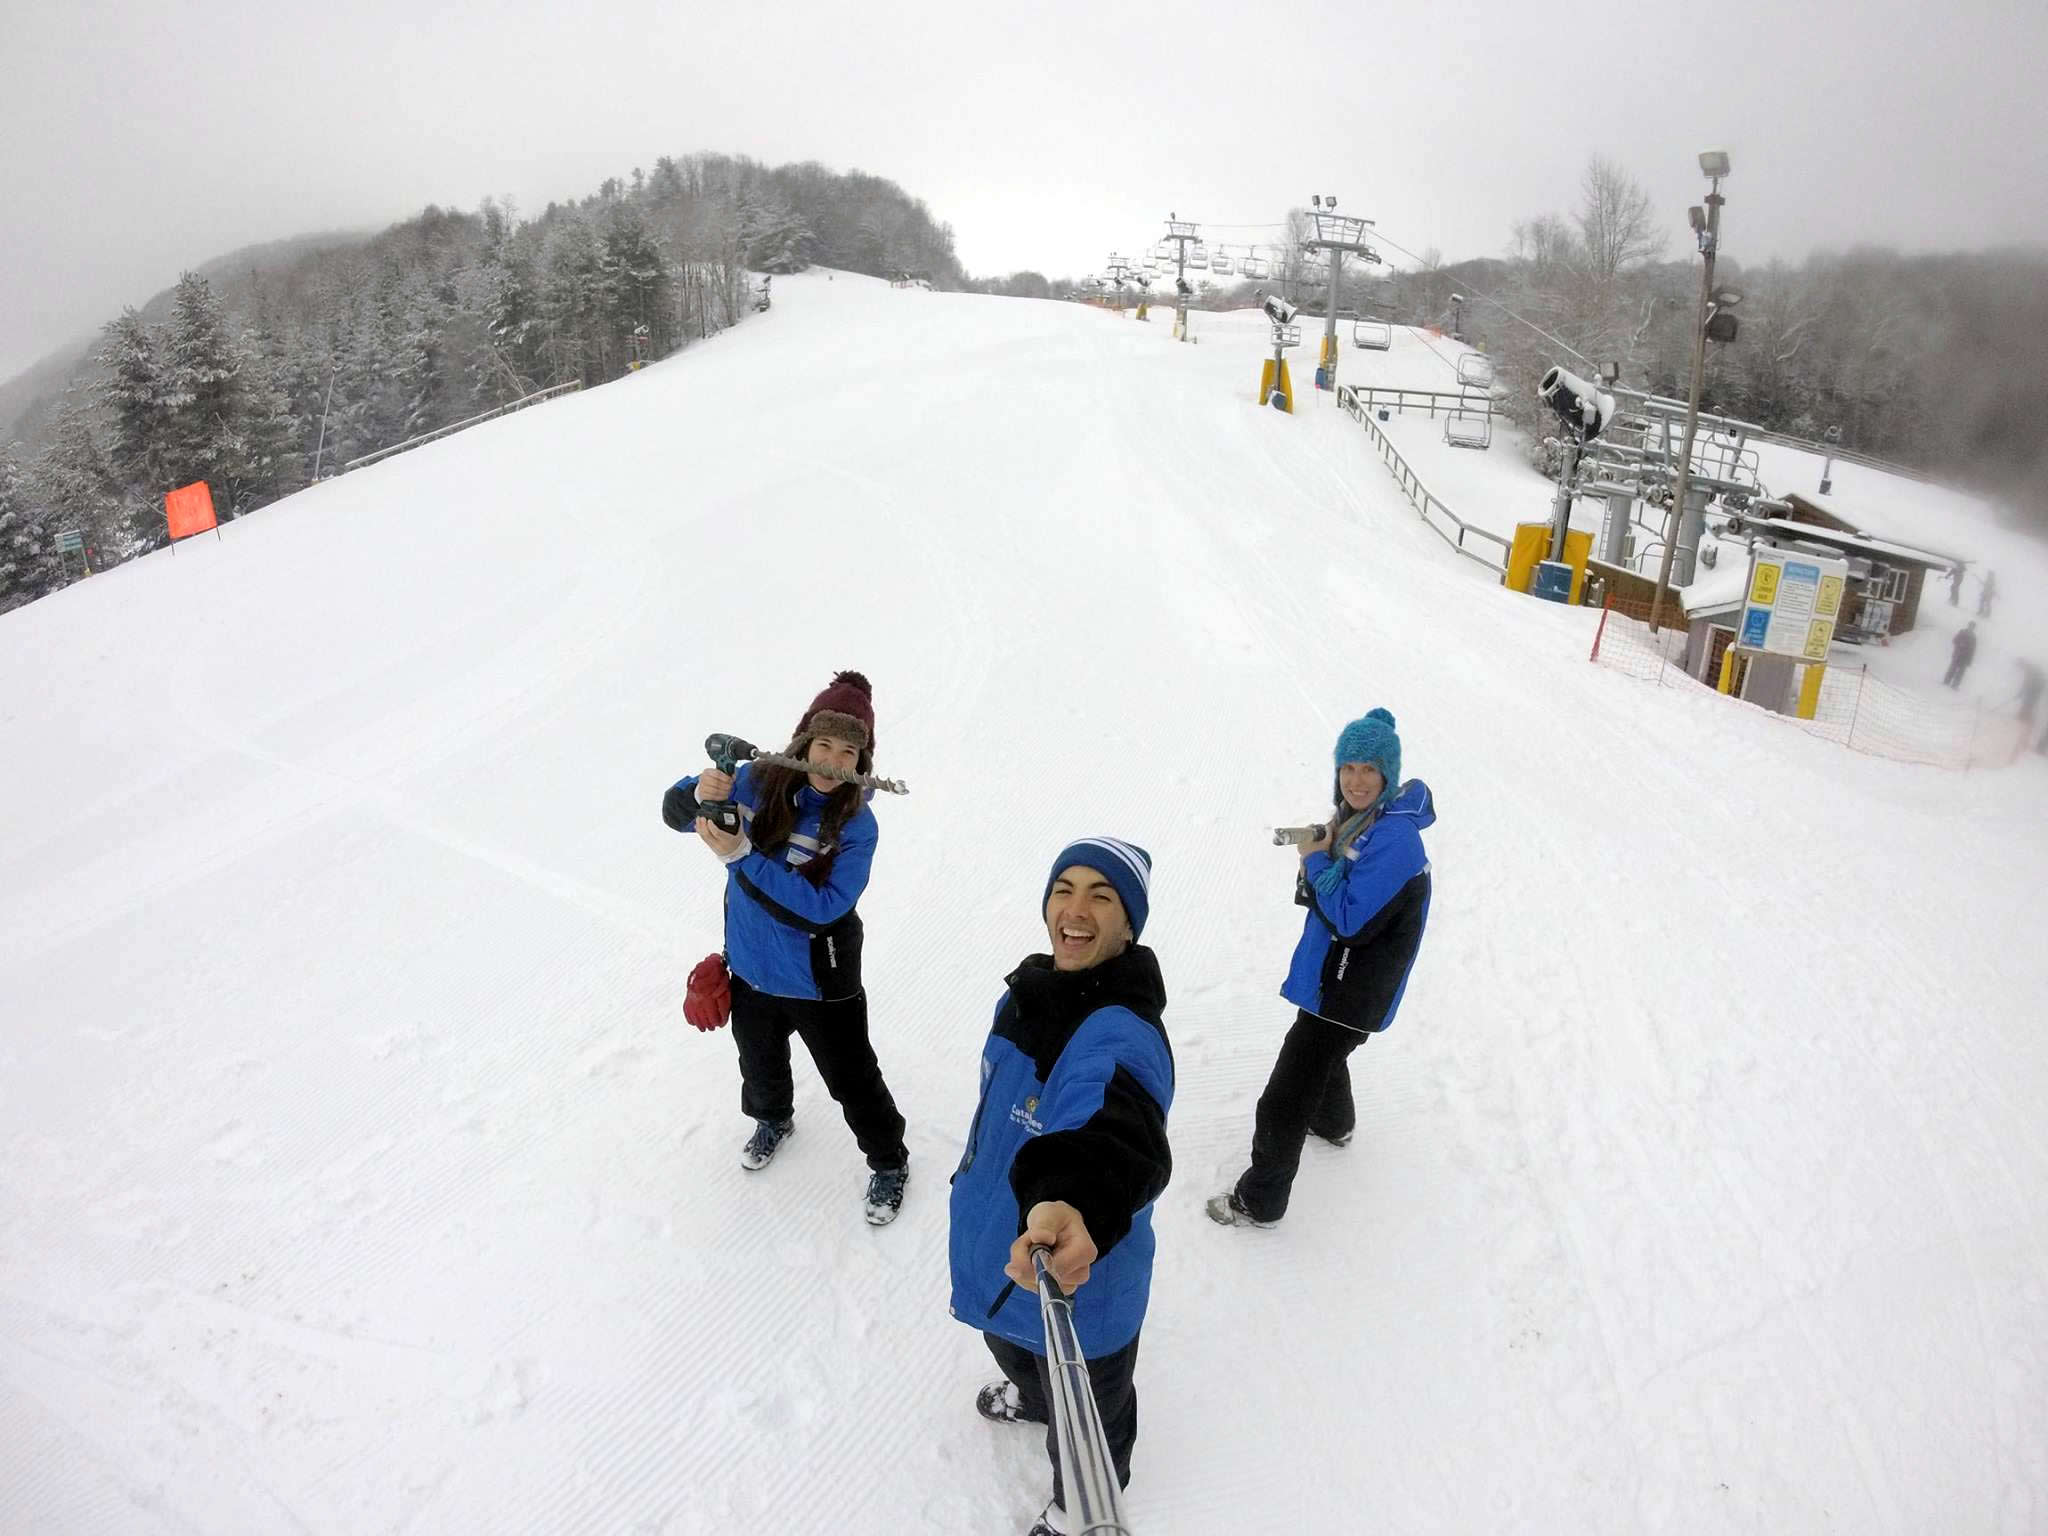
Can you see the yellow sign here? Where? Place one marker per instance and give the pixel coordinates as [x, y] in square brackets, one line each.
[1763, 590]
[1818, 633]
[1830, 601]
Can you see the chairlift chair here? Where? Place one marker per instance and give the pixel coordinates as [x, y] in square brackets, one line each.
[1220, 263]
[1373, 335]
[1252, 266]
[1469, 429]
[1475, 371]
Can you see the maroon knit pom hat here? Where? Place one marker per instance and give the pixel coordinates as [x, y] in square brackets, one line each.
[846, 709]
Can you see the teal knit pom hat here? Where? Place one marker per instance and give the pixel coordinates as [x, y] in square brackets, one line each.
[1371, 739]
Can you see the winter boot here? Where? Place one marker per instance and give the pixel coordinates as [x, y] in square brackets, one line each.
[885, 1194]
[1052, 1523]
[1001, 1403]
[1227, 1210]
[1335, 1141]
[759, 1151]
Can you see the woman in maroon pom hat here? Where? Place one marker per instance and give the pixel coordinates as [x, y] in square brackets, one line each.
[794, 872]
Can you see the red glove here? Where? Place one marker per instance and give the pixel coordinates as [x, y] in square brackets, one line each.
[708, 1003]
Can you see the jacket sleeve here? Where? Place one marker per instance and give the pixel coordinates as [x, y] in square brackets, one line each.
[679, 805]
[1391, 857]
[795, 899]
[1110, 1166]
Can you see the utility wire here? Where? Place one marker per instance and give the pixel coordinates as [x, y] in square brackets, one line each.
[1382, 238]
[1489, 299]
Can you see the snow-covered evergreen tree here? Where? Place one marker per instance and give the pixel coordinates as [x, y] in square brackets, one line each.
[77, 488]
[202, 369]
[29, 564]
[270, 460]
[134, 394]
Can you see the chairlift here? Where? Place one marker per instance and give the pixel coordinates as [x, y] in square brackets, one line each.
[1475, 371]
[1469, 429]
[1199, 256]
[1373, 335]
[1163, 251]
[1252, 266]
[1220, 263]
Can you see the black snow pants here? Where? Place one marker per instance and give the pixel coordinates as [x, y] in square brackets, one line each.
[1310, 1088]
[836, 1034]
[1116, 1399]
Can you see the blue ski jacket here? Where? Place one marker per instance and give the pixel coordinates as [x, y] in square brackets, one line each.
[783, 935]
[1076, 1082]
[1359, 941]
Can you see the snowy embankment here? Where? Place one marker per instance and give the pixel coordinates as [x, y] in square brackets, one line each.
[358, 1171]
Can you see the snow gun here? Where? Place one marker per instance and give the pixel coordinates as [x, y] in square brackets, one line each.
[1295, 837]
[728, 752]
[1094, 1498]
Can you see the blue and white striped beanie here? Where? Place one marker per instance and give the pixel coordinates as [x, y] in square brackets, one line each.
[1126, 866]
[1372, 739]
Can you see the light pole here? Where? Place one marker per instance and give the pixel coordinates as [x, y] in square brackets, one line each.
[1832, 437]
[1714, 163]
[333, 367]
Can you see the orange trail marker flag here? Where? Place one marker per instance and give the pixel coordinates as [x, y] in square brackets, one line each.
[189, 509]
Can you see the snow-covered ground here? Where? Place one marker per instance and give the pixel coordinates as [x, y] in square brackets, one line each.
[358, 1172]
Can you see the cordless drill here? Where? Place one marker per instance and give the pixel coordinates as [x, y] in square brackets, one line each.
[726, 754]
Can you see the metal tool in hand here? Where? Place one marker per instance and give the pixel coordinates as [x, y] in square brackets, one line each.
[1295, 837]
[728, 752]
[1095, 1503]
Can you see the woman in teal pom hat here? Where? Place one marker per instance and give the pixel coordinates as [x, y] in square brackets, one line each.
[1365, 882]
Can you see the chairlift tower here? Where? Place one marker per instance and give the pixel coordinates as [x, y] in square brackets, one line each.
[1335, 234]
[1180, 234]
[1119, 269]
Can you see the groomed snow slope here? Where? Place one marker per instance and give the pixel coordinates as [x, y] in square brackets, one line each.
[358, 1172]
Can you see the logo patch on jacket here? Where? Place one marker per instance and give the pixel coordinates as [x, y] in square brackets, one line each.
[1026, 1115]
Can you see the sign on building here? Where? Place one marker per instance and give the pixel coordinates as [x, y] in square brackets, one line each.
[1792, 604]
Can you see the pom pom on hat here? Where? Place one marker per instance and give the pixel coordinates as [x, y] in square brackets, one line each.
[844, 708]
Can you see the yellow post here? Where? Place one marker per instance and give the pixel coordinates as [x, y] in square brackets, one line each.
[1268, 383]
[1809, 690]
[1727, 683]
[1531, 544]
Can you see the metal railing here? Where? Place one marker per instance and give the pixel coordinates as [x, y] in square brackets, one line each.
[1430, 401]
[427, 437]
[1424, 500]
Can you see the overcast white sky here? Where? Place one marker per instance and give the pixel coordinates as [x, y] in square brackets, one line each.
[138, 137]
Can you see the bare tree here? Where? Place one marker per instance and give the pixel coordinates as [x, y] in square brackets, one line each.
[1545, 243]
[1616, 226]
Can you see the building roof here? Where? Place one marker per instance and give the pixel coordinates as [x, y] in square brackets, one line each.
[1850, 543]
[1723, 588]
[1826, 516]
